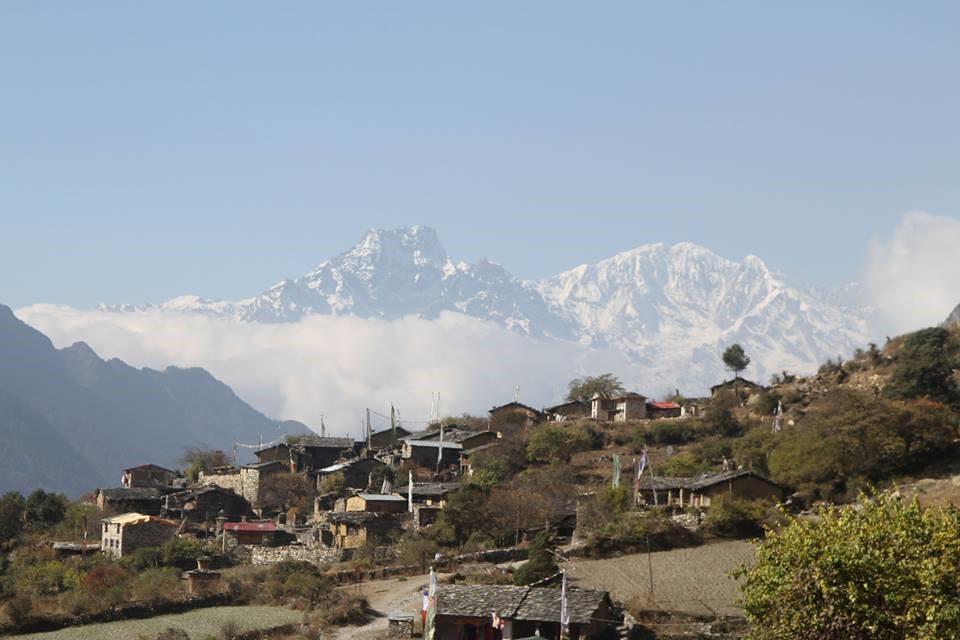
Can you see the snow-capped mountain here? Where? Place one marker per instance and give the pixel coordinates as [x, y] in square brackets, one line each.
[670, 309]
[390, 274]
[673, 309]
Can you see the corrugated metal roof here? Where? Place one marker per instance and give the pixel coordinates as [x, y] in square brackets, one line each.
[435, 444]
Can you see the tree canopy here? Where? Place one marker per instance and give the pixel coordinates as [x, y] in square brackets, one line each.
[585, 388]
[924, 368]
[735, 359]
[883, 569]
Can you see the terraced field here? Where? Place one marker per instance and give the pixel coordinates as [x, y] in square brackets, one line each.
[199, 623]
[693, 581]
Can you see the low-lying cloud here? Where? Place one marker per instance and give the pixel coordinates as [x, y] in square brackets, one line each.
[337, 366]
[912, 277]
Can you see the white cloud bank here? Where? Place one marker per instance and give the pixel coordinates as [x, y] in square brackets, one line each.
[913, 276]
[337, 366]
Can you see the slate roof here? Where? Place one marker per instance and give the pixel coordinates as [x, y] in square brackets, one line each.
[380, 497]
[433, 443]
[538, 604]
[357, 517]
[695, 483]
[132, 493]
[150, 466]
[429, 489]
[262, 465]
[515, 405]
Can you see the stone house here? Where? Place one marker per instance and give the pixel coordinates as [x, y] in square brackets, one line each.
[251, 532]
[466, 612]
[146, 500]
[356, 472]
[424, 453]
[376, 503]
[385, 439]
[148, 475]
[122, 535]
[355, 529]
[466, 438]
[656, 410]
[245, 481]
[571, 410]
[429, 494]
[206, 504]
[744, 387]
[308, 454]
[515, 413]
[700, 491]
[623, 408]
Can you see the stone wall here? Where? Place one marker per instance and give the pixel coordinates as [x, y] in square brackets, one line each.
[244, 482]
[144, 534]
[260, 555]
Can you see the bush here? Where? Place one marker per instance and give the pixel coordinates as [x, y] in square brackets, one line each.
[43, 510]
[417, 550]
[735, 518]
[883, 569]
[340, 609]
[540, 563]
[673, 431]
[683, 465]
[17, 609]
[106, 583]
[181, 552]
[555, 444]
[156, 585]
[848, 435]
[631, 533]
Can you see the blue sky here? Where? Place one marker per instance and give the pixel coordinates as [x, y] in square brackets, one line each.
[150, 150]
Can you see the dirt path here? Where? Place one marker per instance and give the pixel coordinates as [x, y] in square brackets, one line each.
[384, 596]
[694, 581]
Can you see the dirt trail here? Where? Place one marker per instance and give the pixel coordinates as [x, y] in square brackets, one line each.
[384, 596]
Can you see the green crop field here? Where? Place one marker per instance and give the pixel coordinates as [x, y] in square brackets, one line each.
[199, 623]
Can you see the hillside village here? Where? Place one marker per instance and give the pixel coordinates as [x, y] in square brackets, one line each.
[503, 506]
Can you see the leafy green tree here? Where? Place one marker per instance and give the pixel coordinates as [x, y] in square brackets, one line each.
[540, 562]
[555, 444]
[735, 359]
[196, 460]
[463, 515]
[883, 569]
[12, 509]
[44, 509]
[585, 388]
[924, 368]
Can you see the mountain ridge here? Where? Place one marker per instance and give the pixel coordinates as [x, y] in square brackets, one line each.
[672, 307]
[101, 416]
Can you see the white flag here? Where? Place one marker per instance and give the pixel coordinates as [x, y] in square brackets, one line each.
[564, 608]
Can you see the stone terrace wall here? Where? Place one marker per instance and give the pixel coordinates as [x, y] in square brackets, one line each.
[260, 555]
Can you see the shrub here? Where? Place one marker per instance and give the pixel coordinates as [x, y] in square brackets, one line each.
[181, 552]
[340, 609]
[683, 465]
[540, 563]
[736, 518]
[106, 583]
[883, 569]
[633, 531]
[43, 510]
[673, 431]
[17, 609]
[555, 444]
[154, 585]
[417, 550]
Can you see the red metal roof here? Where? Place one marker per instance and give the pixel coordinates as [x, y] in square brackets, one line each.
[664, 405]
[264, 527]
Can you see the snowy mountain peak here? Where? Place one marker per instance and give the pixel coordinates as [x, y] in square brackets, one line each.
[670, 308]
